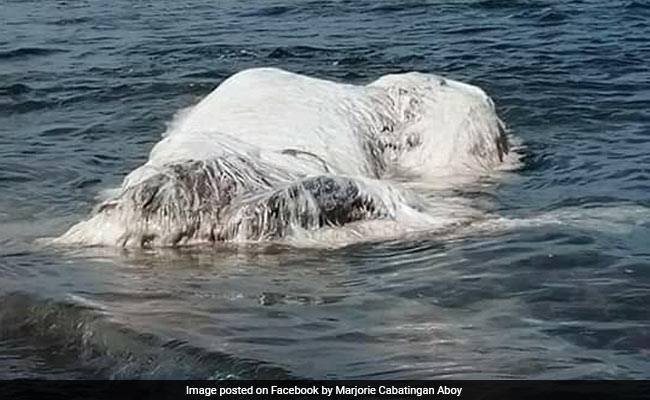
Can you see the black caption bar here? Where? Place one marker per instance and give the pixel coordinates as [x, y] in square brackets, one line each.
[321, 390]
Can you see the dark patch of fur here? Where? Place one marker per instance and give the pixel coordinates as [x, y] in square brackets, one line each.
[337, 201]
[214, 201]
[503, 146]
[185, 199]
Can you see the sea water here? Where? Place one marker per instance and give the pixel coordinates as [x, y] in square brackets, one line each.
[554, 285]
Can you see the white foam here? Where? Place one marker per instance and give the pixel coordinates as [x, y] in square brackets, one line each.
[615, 219]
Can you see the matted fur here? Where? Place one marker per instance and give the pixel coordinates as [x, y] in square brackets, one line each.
[270, 153]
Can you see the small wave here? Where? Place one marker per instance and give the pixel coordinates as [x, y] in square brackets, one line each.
[25, 107]
[504, 4]
[470, 30]
[297, 52]
[221, 51]
[57, 131]
[635, 5]
[280, 52]
[73, 334]
[72, 21]
[15, 89]
[535, 157]
[27, 52]
[551, 16]
[404, 6]
[273, 11]
[352, 60]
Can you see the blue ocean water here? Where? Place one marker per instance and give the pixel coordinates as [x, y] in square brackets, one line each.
[86, 88]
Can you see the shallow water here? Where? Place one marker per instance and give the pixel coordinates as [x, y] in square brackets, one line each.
[559, 289]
